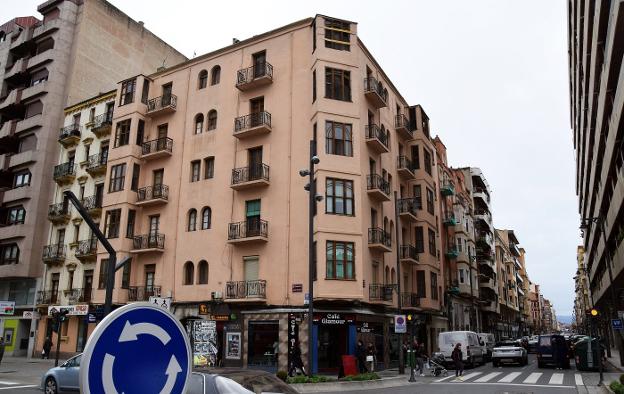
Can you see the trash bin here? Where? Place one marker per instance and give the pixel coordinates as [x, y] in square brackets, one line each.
[349, 365]
[582, 357]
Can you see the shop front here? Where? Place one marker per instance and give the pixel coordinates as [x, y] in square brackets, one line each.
[335, 336]
[73, 332]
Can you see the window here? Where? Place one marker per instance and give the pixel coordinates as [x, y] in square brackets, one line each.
[337, 34]
[91, 115]
[338, 139]
[195, 168]
[76, 233]
[16, 215]
[117, 177]
[419, 240]
[103, 273]
[340, 260]
[313, 85]
[122, 133]
[421, 289]
[127, 92]
[430, 208]
[192, 220]
[21, 179]
[189, 273]
[202, 275]
[208, 167]
[212, 119]
[130, 224]
[125, 275]
[9, 254]
[136, 173]
[428, 163]
[415, 157]
[432, 242]
[215, 75]
[337, 84]
[145, 91]
[202, 79]
[434, 285]
[339, 196]
[199, 123]
[462, 278]
[418, 196]
[206, 218]
[140, 132]
[111, 223]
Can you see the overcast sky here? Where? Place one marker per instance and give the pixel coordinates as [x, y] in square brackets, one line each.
[492, 76]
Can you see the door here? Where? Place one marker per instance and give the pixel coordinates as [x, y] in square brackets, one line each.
[256, 109]
[76, 122]
[157, 181]
[252, 218]
[166, 94]
[109, 111]
[251, 268]
[154, 223]
[54, 288]
[87, 285]
[103, 155]
[99, 194]
[255, 163]
[259, 64]
[60, 238]
[68, 376]
[150, 273]
[161, 143]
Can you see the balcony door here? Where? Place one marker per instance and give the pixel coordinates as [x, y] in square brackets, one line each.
[166, 94]
[252, 217]
[256, 108]
[103, 154]
[76, 121]
[255, 163]
[252, 287]
[157, 178]
[150, 274]
[54, 288]
[259, 64]
[60, 237]
[154, 224]
[99, 194]
[87, 285]
[109, 111]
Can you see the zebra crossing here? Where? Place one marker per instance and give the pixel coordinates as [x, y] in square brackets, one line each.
[12, 385]
[551, 379]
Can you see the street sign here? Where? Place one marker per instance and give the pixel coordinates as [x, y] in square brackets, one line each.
[138, 348]
[617, 324]
[7, 307]
[72, 310]
[163, 302]
[30, 315]
[400, 324]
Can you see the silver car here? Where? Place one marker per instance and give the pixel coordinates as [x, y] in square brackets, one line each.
[509, 352]
[63, 378]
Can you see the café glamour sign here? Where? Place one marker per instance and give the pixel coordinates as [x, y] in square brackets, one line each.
[334, 319]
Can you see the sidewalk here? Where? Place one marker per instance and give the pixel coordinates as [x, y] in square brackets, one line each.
[614, 360]
[24, 371]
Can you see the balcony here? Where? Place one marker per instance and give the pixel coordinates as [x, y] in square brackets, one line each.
[33, 91]
[87, 250]
[514, 249]
[379, 240]
[93, 205]
[162, 105]
[142, 293]
[483, 216]
[59, 213]
[449, 220]
[451, 251]
[375, 92]
[256, 123]
[251, 230]
[408, 254]
[256, 175]
[148, 243]
[11, 101]
[70, 135]
[410, 300]
[447, 188]
[402, 127]
[54, 254]
[377, 187]
[255, 76]
[65, 173]
[380, 292]
[96, 164]
[102, 125]
[408, 208]
[153, 195]
[404, 168]
[47, 297]
[484, 243]
[377, 138]
[157, 148]
[250, 290]
[78, 296]
[481, 193]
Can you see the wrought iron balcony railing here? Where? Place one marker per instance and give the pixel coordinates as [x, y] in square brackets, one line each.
[54, 252]
[148, 241]
[72, 130]
[408, 252]
[372, 85]
[97, 162]
[59, 211]
[408, 205]
[379, 236]
[143, 293]
[380, 292]
[102, 120]
[86, 248]
[162, 102]
[249, 228]
[410, 300]
[164, 144]
[77, 296]
[376, 181]
[47, 297]
[404, 162]
[401, 122]
[375, 132]
[260, 70]
[64, 170]
[153, 192]
[253, 172]
[92, 202]
[255, 119]
[245, 289]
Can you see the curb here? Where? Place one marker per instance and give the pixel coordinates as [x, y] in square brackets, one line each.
[351, 386]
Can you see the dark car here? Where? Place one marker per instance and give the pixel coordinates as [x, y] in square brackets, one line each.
[236, 381]
[546, 353]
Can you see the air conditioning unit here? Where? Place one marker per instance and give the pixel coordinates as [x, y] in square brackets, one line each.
[216, 295]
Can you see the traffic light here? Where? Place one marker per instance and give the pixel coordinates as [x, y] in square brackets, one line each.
[410, 318]
[58, 318]
[594, 312]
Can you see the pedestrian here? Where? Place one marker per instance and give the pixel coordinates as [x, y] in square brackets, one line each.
[296, 362]
[47, 346]
[2, 344]
[457, 357]
[360, 355]
[420, 357]
[560, 352]
[370, 357]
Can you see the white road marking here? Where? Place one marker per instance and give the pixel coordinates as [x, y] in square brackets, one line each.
[578, 379]
[443, 379]
[471, 375]
[18, 387]
[7, 382]
[487, 377]
[556, 378]
[510, 384]
[510, 377]
[532, 379]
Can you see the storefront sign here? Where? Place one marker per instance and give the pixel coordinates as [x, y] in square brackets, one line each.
[204, 309]
[233, 346]
[73, 310]
[365, 328]
[400, 324]
[293, 336]
[232, 327]
[334, 319]
[7, 307]
[219, 317]
[297, 288]
[30, 315]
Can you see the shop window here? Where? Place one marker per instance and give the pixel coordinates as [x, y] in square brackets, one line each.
[262, 336]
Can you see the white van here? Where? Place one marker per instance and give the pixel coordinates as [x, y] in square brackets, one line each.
[472, 349]
[489, 341]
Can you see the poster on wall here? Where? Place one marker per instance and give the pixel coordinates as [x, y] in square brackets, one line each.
[204, 335]
[233, 346]
[293, 336]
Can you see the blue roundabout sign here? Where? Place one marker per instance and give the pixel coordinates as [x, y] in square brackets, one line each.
[138, 348]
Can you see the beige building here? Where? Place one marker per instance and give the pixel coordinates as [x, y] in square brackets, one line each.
[582, 299]
[508, 266]
[77, 49]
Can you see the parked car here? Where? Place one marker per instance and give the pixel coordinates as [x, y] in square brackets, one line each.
[473, 349]
[545, 351]
[236, 381]
[533, 344]
[489, 341]
[509, 352]
[64, 378]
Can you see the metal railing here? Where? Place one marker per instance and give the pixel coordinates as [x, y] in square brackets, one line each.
[410, 300]
[252, 120]
[70, 131]
[373, 85]
[164, 144]
[376, 181]
[75, 296]
[92, 202]
[377, 235]
[408, 205]
[86, 247]
[148, 241]
[375, 132]
[162, 102]
[97, 161]
[245, 289]
[403, 162]
[253, 172]
[246, 75]
[45, 297]
[54, 252]
[408, 252]
[143, 293]
[65, 169]
[102, 120]
[380, 292]
[249, 228]
[401, 121]
[153, 192]
[59, 210]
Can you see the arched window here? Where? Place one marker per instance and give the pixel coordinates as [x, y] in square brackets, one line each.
[212, 119]
[199, 123]
[202, 275]
[202, 79]
[192, 220]
[215, 75]
[387, 275]
[206, 218]
[189, 273]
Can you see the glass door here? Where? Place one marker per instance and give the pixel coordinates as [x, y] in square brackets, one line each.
[252, 217]
[259, 64]
[255, 163]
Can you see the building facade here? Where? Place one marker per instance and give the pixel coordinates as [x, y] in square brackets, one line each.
[582, 299]
[507, 263]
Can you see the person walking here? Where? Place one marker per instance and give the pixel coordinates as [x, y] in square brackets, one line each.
[47, 346]
[419, 350]
[296, 362]
[370, 357]
[457, 357]
[360, 356]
